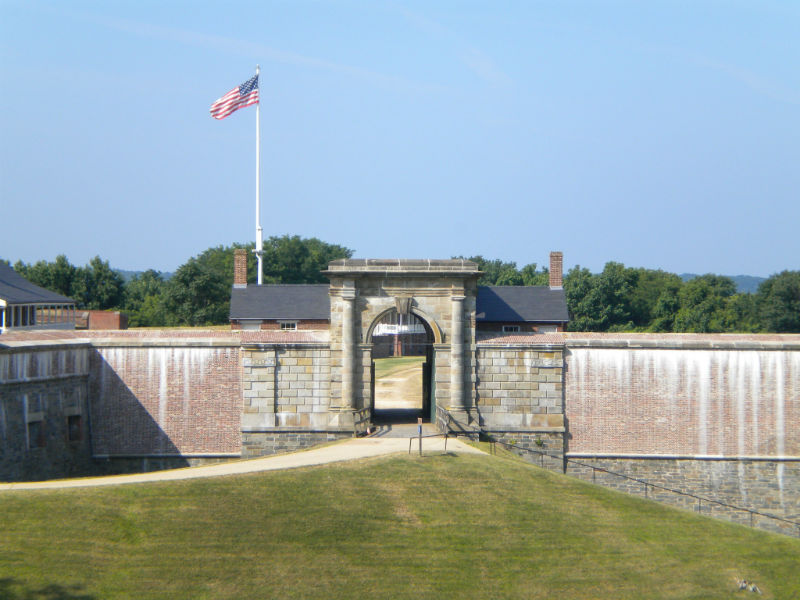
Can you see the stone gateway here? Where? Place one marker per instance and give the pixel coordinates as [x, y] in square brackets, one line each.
[715, 415]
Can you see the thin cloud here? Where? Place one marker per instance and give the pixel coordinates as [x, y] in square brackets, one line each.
[259, 51]
[473, 58]
[759, 84]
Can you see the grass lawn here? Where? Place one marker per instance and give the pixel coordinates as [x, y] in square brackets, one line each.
[385, 367]
[398, 527]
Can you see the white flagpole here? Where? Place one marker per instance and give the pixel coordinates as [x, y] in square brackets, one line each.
[259, 234]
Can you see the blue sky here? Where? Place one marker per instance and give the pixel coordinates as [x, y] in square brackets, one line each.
[657, 134]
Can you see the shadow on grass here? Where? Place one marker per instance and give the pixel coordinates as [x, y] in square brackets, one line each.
[12, 589]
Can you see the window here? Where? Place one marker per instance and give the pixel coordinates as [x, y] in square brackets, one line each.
[74, 430]
[288, 325]
[510, 328]
[36, 434]
[547, 329]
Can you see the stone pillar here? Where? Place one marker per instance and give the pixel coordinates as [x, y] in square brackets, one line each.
[457, 354]
[348, 348]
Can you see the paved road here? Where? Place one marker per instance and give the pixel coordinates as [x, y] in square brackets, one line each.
[342, 451]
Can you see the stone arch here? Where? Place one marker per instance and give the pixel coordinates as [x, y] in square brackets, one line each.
[427, 320]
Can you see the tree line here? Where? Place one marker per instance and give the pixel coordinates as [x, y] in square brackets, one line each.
[198, 293]
[622, 298]
[617, 299]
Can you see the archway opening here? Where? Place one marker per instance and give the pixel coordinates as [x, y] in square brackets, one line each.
[402, 369]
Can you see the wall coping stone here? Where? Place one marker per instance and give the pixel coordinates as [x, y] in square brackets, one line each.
[294, 345]
[678, 344]
[490, 429]
[166, 343]
[173, 455]
[400, 267]
[704, 457]
[518, 346]
[20, 346]
[298, 430]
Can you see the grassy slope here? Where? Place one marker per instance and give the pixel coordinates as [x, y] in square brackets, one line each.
[385, 367]
[432, 527]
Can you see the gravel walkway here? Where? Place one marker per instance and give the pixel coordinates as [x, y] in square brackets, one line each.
[342, 451]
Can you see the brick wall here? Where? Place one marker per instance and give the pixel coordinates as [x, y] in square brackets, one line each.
[155, 399]
[715, 416]
[739, 398]
[100, 320]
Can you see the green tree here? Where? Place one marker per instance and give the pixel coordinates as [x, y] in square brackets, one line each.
[598, 302]
[741, 314]
[703, 301]
[647, 288]
[197, 295]
[778, 301]
[57, 276]
[495, 271]
[143, 300]
[665, 309]
[292, 259]
[530, 276]
[199, 292]
[95, 286]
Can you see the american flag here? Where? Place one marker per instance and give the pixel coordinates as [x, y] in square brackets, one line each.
[239, 97]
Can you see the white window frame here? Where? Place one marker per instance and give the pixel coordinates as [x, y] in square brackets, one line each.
[287, 325]
[511, 329]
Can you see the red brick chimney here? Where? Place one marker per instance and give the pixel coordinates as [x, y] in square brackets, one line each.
[556, 269]
[240, 268]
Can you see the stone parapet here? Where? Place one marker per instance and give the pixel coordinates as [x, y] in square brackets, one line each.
[765, 486]
[684, 341]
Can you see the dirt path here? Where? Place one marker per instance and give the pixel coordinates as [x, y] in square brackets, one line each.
[401, 389]
[348, 450]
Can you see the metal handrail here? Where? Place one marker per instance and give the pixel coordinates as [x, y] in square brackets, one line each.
[646, 484]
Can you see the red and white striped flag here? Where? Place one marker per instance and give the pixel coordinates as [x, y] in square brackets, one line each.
[239, 97]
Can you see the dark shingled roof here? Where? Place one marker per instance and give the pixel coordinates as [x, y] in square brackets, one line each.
[15, 289]
[281, 301]
[521, 303]
[311, 301]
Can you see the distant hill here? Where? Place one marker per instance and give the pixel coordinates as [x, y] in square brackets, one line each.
[744, 283]
[128, 275]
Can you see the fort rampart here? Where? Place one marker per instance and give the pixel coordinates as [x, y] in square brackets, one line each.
[715, 415]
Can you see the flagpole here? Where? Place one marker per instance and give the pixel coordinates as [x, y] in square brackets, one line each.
[259, 249]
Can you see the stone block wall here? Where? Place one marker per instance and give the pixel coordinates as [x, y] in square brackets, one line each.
[44, 417]
[520, 387]
[769, 487]
[286, 394]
